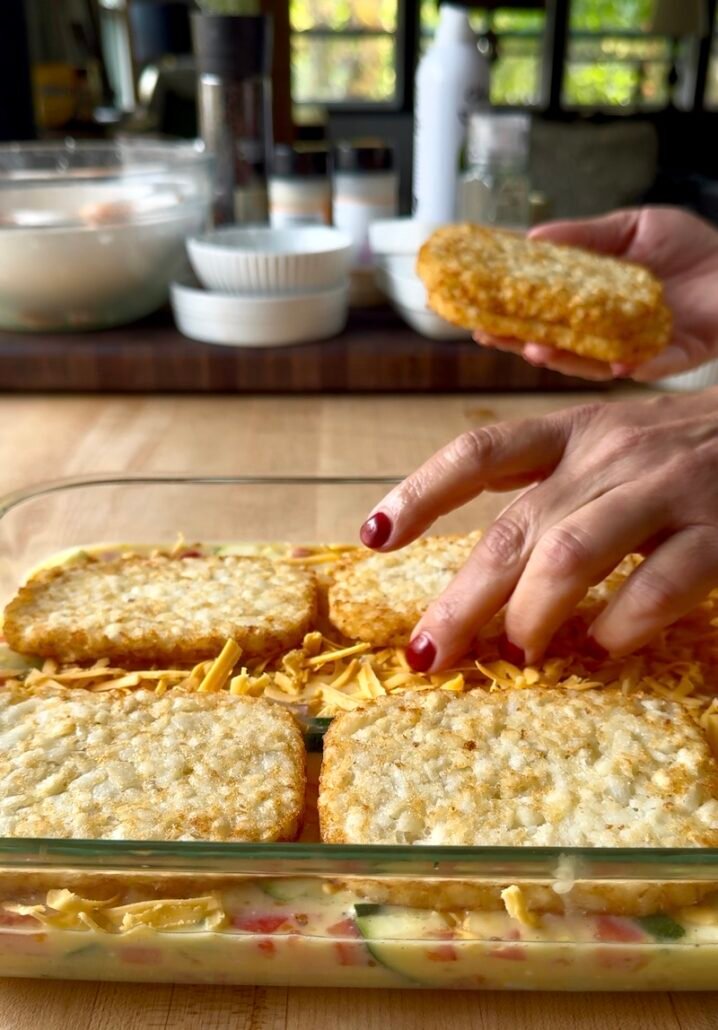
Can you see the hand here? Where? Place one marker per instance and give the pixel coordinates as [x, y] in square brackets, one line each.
[605, 480]
[681, 250]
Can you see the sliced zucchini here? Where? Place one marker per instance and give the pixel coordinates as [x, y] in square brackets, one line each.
[396, 937]
[293, 888]
[662, 927]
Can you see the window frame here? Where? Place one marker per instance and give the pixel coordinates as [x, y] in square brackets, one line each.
[554, 54]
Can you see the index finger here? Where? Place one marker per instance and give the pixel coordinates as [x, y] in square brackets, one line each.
[498, 457]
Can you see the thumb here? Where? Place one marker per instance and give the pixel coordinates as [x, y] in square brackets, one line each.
[610, 234]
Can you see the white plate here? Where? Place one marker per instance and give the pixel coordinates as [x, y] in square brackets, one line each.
[235, 320]
[266, 260]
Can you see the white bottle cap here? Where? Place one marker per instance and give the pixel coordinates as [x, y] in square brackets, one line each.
[454, 26]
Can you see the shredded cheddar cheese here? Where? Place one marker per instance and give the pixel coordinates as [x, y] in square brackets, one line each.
[65, 910]
[516, 907]
[328, 674]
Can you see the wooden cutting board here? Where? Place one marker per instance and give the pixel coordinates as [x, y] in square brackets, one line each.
[377, 352]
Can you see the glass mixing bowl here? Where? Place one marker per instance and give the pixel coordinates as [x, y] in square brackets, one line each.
[91, 234]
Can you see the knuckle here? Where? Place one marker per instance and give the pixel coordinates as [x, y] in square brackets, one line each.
[622, 441]
[563, 552]
[444, 612]
[475, 448]
[652, 592]
[503, 542]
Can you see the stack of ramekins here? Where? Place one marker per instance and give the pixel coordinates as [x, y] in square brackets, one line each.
[263, 287]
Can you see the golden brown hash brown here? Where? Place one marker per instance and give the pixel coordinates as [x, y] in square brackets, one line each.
[134, 766]
[540, 767]
[532, 290]
[379, 598]
[160, 609]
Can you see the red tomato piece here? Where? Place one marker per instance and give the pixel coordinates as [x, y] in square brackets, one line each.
[253, 923]
[350, 953]
[442, 953]
[267, 946]
[344, 928]
[616, 928]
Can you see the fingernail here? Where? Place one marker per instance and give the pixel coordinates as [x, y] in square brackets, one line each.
[376, 530]
[511, 653]
[595, 650]
[421, 652]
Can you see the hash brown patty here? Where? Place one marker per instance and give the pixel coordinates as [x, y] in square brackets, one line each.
[539, 767]
[135, 766]
[533, 290]
[379, 598]
[161, 610]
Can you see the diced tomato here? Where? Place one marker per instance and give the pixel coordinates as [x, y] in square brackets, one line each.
[442, 953]
[625, 960]
[13, 919]
[301, 552]
[513, 952]
[253, 923]
[615, 928]
[266, 945]
[191, 554]
[141, 956]
[345, 928]
[351, 953]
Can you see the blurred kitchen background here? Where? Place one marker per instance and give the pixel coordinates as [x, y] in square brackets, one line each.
[621, 93]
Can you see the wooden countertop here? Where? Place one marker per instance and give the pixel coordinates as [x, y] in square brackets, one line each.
[376, 352]
[44, 438]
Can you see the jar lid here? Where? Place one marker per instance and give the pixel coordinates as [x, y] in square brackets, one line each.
[232, 45]
[307, 161]
[498, 138]
[363, 156]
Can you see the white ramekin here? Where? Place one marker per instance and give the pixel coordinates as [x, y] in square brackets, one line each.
[265, 260]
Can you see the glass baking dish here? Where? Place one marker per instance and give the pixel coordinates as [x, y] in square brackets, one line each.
[307, 913]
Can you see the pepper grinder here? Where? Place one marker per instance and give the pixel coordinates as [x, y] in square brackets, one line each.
[234, 58]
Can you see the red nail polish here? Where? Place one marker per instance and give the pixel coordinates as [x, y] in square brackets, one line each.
[511, 653]
[421, 652]
[595, 650]
[376, 530]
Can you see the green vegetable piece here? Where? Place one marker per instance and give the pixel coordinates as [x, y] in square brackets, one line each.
[662, 927]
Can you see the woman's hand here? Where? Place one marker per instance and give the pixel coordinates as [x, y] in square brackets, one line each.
[604, 481]
[681, 250]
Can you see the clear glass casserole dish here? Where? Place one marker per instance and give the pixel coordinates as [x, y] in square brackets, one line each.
[307, 913]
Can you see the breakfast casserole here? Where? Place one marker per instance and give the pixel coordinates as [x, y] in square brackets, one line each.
[155, 695]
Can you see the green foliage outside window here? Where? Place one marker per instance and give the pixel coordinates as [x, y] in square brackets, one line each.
[603, 68]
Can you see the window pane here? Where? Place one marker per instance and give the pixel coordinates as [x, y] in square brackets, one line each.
[596, 15]
[610, 70]
[515, 75]
[335, 70]
[506, 20]
[342, 14]
[596, 85]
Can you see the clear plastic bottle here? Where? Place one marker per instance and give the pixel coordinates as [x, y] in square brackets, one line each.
[496, 187]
